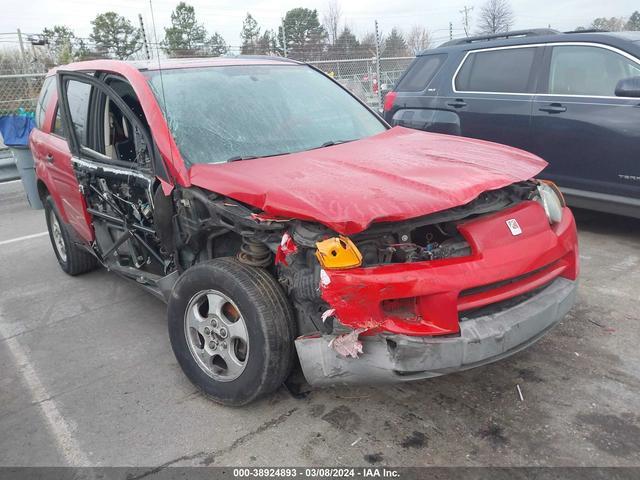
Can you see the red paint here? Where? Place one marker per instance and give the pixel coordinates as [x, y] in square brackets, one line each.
[396, 175]
[58, 175]
[389, 98]
[357, 294]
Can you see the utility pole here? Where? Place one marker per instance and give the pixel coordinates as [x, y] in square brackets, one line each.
[450, 30]
[144, 37]
[378, 66]
[284, 39]
[21, 45]
[465, 16]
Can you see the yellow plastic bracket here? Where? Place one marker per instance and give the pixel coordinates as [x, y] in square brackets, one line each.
[338, 253]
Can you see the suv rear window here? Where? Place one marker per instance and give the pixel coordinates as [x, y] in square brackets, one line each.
[421, 73]
[497, 71]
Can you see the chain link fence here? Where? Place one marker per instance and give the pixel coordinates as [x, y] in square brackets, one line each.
[360, 75]
[19, 92]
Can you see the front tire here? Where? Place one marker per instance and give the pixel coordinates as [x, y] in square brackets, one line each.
[72, 258]
[231, 330]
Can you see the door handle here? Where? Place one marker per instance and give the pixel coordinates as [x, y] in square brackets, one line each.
[553, 108]
[457, 103]
[49, 158]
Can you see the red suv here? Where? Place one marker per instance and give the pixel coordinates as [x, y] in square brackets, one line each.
[282, 221]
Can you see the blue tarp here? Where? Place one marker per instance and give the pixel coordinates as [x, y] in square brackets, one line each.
[15, 129]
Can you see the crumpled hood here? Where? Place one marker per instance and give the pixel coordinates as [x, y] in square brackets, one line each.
[396, 175]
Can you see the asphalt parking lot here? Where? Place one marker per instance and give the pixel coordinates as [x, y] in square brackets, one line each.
[87, 377]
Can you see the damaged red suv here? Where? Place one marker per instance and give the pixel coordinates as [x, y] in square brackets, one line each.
[283, 221]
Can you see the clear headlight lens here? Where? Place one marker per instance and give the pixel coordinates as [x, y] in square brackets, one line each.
[551, 200]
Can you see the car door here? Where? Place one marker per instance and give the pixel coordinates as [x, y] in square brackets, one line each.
[590, 137]
[61, 167]
[112, 160]
[53, 157]
[492, 92]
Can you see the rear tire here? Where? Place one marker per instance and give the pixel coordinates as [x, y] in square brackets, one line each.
[232, 330]
[72, 258]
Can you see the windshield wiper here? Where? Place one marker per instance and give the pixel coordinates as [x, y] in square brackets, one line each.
[238, 158]
[333, 142]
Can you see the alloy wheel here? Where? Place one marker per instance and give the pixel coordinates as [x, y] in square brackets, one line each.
[217, 335]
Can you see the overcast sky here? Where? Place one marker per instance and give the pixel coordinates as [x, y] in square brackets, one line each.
[225, 16]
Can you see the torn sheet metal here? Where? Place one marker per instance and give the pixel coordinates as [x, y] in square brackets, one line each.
[287, 247]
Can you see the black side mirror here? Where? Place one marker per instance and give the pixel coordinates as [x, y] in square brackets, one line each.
[628, 87]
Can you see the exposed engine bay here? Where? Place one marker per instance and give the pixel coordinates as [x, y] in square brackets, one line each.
[432, 237]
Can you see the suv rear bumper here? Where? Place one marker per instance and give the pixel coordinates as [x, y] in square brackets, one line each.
[482, 340]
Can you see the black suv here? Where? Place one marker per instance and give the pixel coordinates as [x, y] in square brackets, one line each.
[571, 98]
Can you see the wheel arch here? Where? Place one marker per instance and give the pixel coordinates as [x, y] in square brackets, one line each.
[44, 190]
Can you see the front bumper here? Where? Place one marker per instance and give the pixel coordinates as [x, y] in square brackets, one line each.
[481, 340]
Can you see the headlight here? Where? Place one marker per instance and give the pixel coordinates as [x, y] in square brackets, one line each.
[551, 200]
[338, 252]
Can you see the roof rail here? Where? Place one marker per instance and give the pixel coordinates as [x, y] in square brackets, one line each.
[266, 57]
[534, 32]
[588, 30]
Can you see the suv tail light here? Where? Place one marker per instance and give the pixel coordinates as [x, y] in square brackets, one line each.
[388, 100]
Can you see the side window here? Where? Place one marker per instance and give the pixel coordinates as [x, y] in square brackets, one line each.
[421, 73]
[78, 95]
[48, 87]
[497, 71]
[58, 126]
[587, 70]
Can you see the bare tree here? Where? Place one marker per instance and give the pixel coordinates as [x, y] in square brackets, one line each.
[331, 20]
[418, 39]
[496, 16]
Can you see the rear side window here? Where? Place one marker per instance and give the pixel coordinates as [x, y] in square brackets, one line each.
[78, 94]
[58, 126]
[497, 71]
[421, 73]
[48, 87]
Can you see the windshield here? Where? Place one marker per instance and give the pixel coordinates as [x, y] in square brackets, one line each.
[221, 114]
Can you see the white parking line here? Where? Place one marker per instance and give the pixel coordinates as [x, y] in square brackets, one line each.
[62, 432]
[26, 237]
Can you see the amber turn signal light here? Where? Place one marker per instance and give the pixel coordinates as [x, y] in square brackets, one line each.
[338, 253]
